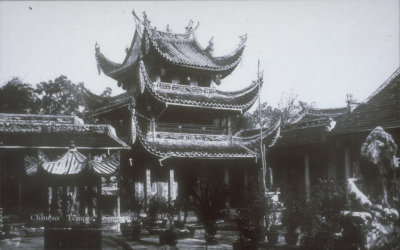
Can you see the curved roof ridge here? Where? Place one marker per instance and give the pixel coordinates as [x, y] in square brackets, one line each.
[105, 64]
[113, 69]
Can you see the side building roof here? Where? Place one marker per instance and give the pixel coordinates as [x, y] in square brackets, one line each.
[311, 127]
[381, 108]
[53, 131]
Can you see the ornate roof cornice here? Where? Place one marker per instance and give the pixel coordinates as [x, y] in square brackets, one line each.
[176, 94]
[186, 145]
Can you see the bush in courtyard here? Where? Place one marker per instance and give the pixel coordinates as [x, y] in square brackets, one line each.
[320, 219]
[157, 210]
[208, 199]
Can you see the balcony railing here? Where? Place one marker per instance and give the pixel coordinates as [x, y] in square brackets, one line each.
[184, 88]
[188, 129]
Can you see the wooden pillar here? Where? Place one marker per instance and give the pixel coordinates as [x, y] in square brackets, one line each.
[347, 167]
[19, 195]
[246, 179]
[119, 211]
[271, 178]
[98, 207]
[64, 202]
[148, 184]
[49, 197]
[1, 183]
[307, 176]
[229, 125]
[226, 176]
[171, 190]
[153, 127]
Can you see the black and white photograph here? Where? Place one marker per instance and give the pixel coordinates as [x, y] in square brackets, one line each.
[223, 125]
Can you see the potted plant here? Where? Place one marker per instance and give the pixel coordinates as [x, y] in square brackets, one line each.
[273, 210]
[135, 202]
[157, 210]
[170, 235]
[207, 199]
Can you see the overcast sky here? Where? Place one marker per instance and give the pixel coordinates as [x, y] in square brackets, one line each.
[319, 49]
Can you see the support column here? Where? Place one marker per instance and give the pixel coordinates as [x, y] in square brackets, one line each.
[49, 197]
[171, 190]
[148, 184]
[246, 179]
[1, 166]
[307, 176]
[226, 176]
[347, 167]
[19, 196]
[99, 205]
[229, 125]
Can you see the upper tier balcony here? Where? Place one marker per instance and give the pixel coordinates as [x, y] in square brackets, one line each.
[189, 129]
[187, 89]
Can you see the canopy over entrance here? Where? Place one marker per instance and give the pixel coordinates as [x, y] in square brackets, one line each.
[73, 163]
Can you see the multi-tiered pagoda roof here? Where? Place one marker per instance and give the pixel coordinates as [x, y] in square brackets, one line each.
[183, 51]
[189, 90]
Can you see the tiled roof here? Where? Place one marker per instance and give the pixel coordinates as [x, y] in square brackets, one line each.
[183, 95]
[51, 131]
[380, 109]
[184, 145]
[311, 127]
[311, 117]
[188, 53]
[312, 114]
[116, 70]
[178, 49]
[106, 104]
[301, 136]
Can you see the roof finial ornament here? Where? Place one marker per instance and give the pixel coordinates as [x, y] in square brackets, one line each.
[168, 29]
[97, 47]
[189, 27]
[146, 22]
[243, 39]
[210, 47]
[72, 145]
[137, 19]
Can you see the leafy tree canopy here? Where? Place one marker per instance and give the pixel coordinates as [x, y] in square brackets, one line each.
[58, 97]
[18, 97]
[288, 110]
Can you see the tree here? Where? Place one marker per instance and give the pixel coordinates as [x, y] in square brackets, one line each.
[18, 97]
[290, 107]
[61, 97]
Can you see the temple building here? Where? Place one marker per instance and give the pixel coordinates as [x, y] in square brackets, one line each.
[301, 154]
[380, 109]
[328, 141]
[177, 121]
[40, 155]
